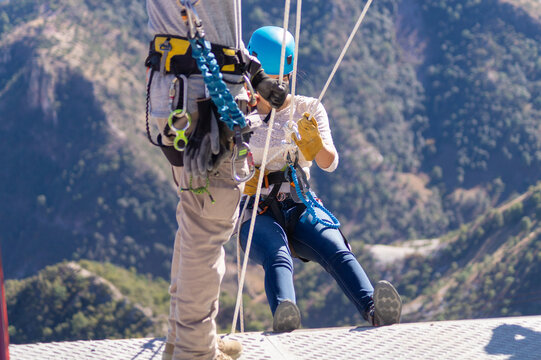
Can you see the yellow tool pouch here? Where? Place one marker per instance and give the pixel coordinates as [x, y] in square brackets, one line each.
[173, 55]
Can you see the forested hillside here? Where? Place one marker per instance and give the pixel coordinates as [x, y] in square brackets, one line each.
[78, 179]
[490, 267]
[436, 113]
[85, 300]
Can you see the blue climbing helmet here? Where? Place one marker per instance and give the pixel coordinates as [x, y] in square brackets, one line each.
[266, 45]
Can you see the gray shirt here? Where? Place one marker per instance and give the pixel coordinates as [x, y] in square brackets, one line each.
[218, 17]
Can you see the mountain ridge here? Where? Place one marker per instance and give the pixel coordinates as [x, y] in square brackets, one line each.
[435, 125]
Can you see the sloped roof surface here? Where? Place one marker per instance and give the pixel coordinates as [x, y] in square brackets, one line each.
[501, 338]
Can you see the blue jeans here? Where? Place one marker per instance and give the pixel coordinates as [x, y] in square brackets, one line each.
[326, 246]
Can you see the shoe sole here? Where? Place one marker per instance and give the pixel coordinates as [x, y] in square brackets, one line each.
[387, 304]
[287, 317]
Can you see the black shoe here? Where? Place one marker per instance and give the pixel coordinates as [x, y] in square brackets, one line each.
[287, 317]
[387, 306]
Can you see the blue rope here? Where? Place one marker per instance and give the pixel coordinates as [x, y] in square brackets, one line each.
[310, 203]
[207, 64]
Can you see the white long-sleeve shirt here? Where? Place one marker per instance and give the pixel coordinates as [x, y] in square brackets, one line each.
[277, 147]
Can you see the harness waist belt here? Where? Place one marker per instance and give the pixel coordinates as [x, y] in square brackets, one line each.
[179, 61]
[276, 177]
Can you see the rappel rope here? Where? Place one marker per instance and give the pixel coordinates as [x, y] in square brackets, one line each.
[342, 54]
[261, 176]
[239, 268]
[295, 62]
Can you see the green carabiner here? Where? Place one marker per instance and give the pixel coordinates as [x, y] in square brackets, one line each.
[180, 133]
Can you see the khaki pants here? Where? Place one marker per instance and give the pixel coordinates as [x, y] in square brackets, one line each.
[198, 262]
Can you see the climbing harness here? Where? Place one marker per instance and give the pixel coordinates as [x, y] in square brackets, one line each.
[228, 109]
[184, 57]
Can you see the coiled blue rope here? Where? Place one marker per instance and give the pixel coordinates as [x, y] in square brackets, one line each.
[311, 203]
[218, 91]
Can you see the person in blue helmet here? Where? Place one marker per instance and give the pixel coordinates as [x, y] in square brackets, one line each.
[280, 232]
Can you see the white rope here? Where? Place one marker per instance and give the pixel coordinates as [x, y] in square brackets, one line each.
[238, 23]
[344, 50]
[260, 180]
[295, 60]
[239, 269]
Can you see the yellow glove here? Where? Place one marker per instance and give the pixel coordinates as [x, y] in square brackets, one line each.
[310, 143]
[250, 186]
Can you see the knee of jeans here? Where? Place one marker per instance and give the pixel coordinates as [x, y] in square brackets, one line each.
[338, 257]
[281, 258]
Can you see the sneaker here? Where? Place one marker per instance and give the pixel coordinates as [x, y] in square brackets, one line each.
[231, 348]
[387, 305]
[287, 317]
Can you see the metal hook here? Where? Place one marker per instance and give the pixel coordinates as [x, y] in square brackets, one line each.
[291, 127]
[244, 152]
[253, 98]
[177, 114]
[180, 133]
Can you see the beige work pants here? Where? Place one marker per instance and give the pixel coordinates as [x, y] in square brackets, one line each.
[198, 261]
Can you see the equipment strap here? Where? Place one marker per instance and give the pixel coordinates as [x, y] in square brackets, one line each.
[172, 54]
[276, 177]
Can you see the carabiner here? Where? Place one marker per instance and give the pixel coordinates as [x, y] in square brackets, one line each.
[291, 127]
[251, 92]
[190, 17]
[177, 114]
[238, 154]
[180, 133]
[173, 92]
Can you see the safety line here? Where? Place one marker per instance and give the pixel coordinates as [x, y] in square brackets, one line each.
[295, 59]
[261, 176]
[239, 269]
[344, 50]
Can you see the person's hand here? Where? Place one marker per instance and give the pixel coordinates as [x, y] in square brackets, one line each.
[310, 142]
[270, 89]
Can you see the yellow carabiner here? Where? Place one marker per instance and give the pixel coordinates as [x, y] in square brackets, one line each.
[179, 113]
[180, 133]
